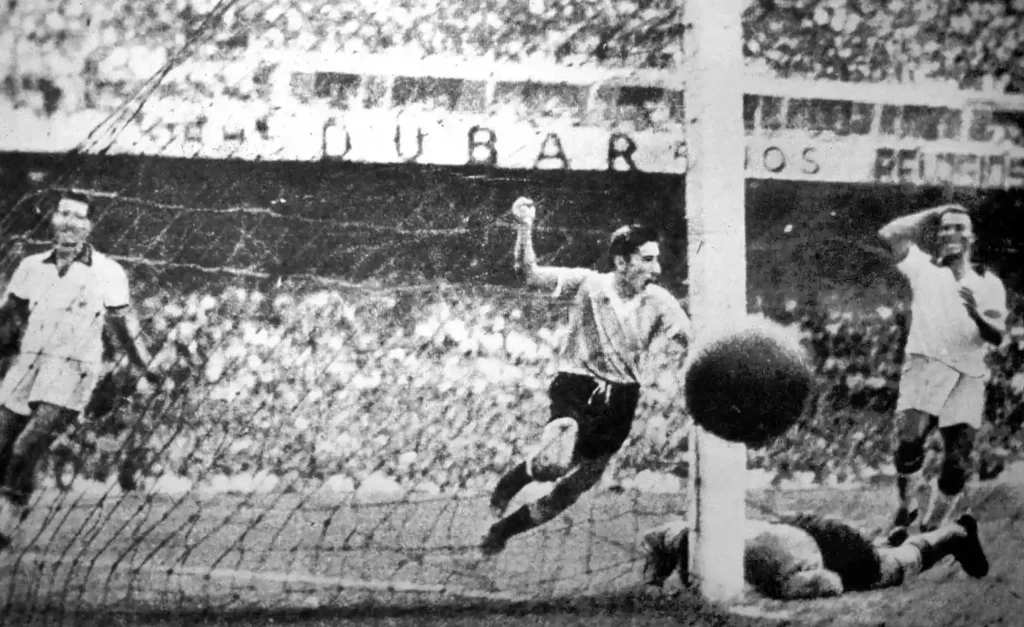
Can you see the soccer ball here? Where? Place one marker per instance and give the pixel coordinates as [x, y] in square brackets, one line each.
[750, 384]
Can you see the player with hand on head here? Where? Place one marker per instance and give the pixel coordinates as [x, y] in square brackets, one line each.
[805, 556]
[957, 311]
[614, 319]
[57, 305]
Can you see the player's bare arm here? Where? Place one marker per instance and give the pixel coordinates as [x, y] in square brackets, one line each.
[524, 211]
[990, 321]
[125, 325]
[902, 232]
[13, 317]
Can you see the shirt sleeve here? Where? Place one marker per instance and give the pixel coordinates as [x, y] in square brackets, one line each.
[915, 263]
[116, 293]
[20, 285]
[570, 280]
[675, 321]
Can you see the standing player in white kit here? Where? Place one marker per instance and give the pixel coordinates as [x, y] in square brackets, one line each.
[957, 311]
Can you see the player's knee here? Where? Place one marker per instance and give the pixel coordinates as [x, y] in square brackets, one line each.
[548, 466]
[909, 457]
[561, 429]
[914, 424]
[958, 441]
[953, 476]
[542, 468]
[553, 457]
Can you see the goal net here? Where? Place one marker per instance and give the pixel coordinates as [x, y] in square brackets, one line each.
[319, 250]
[349, 365]
[319, 439]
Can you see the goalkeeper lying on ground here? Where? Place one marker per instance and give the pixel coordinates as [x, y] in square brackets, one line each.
[806, 556]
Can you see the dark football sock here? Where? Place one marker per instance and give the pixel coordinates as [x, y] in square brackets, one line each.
[959, 540]
[510, 484]
[519, 521]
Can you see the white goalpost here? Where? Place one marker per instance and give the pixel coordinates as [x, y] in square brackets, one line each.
[712, 121]
[716, 244]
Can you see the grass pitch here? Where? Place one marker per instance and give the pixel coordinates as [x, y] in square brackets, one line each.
[212, 560]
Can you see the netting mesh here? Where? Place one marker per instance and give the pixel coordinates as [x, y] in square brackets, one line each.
[349, 366]
[315, 441]
[346, 374]
[319, 439]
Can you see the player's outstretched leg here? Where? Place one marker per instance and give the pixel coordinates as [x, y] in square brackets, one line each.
[510, 484]
[551, 460]
[45, 424]
[11, 426]
[897, 536]
[9, 519]
[567, 491]
[923, 551]
[969, 552]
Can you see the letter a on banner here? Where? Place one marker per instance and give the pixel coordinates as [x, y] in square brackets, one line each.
[551, 150]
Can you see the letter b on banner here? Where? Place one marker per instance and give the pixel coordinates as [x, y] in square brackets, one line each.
[482, 149]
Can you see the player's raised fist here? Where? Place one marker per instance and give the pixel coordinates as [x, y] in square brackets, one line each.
[524, 210]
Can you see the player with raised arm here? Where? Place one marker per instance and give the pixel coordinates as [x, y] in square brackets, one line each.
[57, 304]
[806, 556]
[957, 311]
[613, 321]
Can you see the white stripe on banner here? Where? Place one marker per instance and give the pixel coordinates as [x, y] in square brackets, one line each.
[579, 119]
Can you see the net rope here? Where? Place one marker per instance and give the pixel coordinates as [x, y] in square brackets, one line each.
[338, 397]
[289, 394]
[255, 464]
[207, 430]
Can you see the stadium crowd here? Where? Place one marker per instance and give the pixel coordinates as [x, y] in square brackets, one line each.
[228, 355]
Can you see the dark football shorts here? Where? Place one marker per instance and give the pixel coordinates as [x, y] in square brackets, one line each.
[604, 413]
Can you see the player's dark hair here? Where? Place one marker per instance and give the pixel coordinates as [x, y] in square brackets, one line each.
[90, 209]
[628, 239]
[955, 208]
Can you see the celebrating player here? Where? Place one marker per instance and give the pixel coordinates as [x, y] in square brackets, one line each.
[614, 319]
[58, 303]
[806, 556]
[955, 311]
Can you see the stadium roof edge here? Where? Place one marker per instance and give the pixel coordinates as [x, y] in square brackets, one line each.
[922, 93]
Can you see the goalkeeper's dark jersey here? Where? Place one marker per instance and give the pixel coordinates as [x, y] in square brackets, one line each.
[844, 550]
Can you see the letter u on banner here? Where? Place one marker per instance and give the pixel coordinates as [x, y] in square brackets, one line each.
[331, 140]
[419, 144]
